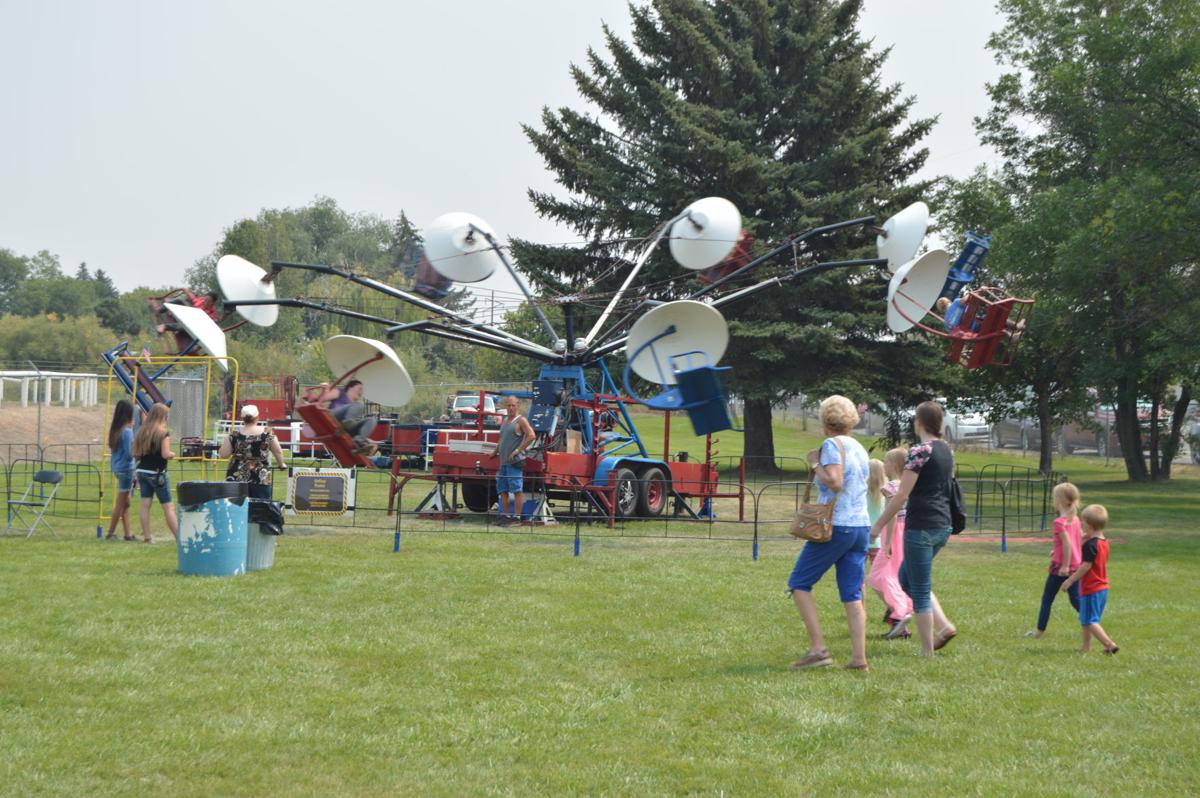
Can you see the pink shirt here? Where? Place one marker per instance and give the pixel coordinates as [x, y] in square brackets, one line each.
[889, 490]
[1074, 536]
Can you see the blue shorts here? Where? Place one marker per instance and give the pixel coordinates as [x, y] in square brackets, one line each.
[1092, 607]
[148, 482]
[124, 481]
[846, 551]
[510, 478]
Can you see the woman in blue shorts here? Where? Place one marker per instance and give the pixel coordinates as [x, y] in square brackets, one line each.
[152, 447]
[840, 467]
[120, 444]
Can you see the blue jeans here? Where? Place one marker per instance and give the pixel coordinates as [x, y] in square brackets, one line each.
[1053, 587]
[916, 572]
[846, 551]
[510, 478]
[151, 484]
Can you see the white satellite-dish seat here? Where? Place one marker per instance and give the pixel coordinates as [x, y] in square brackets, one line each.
[676, 345]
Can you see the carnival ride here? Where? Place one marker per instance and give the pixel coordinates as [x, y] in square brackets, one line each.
[588, 450]
[138, 374]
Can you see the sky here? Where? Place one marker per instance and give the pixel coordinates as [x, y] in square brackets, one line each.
[134, 132]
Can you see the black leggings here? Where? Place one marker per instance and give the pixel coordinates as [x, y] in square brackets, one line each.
[1053, 587]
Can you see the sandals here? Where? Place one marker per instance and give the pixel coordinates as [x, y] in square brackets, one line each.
[941, 640]
[147, 540]
[1110, 651]
[129, 538]
[851, 666]
[813, 659]
[110, 536]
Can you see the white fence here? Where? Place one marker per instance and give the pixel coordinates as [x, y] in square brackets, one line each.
[80, 389]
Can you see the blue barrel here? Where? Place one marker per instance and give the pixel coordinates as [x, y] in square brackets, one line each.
[212, 528]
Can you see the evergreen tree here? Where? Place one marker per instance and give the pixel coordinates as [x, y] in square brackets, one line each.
[779, 107]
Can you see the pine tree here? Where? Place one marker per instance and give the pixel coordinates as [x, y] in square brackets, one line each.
[779, 107]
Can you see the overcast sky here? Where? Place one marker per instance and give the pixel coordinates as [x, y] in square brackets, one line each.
[134, 132]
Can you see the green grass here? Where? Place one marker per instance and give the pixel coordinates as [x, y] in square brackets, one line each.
[477, 664]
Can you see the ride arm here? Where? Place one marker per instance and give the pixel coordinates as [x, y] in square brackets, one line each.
[817, 268]
[787, 245]
[412, 299]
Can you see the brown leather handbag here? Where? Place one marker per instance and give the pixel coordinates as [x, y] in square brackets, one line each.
[815, 521]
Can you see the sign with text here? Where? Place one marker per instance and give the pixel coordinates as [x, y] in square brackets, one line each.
[320, 491]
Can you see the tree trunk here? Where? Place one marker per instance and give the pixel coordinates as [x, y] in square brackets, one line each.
[1128, 433]
[1046, 457]
[1172, 447]
[759, 437]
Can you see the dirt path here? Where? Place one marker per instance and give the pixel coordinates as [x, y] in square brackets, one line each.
[68, 428]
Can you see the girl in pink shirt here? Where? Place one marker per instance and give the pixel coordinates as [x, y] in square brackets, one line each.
[1064, 557]
[884, 578]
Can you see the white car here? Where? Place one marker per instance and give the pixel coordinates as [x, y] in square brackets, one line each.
[968, 424]
[467, 405]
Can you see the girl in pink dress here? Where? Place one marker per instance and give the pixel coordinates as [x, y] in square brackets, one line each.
[884, 578]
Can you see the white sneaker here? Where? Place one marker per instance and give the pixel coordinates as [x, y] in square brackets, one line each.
[899, 628]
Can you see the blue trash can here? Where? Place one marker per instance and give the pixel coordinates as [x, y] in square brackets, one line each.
[212, 528]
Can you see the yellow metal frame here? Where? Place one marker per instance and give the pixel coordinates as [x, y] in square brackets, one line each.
[155, 362]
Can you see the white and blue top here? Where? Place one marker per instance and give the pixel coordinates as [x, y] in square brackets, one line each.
[851, 509]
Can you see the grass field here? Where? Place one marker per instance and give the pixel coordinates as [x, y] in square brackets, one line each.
[500, 665]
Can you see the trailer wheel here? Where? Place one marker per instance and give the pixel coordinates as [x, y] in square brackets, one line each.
[652, 492]
[479, 496]
[627, 492]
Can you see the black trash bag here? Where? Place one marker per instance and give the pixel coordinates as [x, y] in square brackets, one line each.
[193, 494]
[268, 515]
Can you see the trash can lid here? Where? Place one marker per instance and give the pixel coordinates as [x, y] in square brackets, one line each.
[193, 493]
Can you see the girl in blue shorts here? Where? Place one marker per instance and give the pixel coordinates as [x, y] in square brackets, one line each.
[120, 444]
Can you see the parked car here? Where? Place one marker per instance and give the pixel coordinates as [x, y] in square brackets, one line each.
[1193, 440]
[1097, 431]
[967, 424]
[1024, 433]
[467, 405]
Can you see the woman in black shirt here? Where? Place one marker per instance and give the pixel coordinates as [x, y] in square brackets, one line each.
[925, 487]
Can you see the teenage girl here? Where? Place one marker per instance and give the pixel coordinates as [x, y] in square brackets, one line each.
[1065, 556]
[152, 447]
[884, 578]
[120, 443]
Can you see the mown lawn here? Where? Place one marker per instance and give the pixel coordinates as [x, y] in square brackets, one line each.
[500, 665]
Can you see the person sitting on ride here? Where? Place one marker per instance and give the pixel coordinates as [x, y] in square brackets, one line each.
[347, 406]
[166, 323]
[952, 313]
[206, 302]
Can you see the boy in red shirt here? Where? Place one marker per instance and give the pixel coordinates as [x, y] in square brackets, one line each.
[1092, 576]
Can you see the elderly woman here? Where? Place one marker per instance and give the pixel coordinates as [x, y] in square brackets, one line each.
[249, 450]
[925, 487]
[841, 469]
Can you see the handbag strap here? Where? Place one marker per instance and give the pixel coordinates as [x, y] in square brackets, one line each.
[837, 494]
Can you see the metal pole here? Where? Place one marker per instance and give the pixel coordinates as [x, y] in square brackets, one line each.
[38, 371]
[637, 267]
[512, 271]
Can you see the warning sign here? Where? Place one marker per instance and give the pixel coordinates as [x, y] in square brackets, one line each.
[321, 491]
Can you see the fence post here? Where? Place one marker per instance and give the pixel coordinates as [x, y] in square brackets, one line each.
[576, 513]
[399, 513]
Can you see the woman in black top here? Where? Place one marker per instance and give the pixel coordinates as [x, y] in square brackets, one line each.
[925, 486]
[249, 451]
[152, 448]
